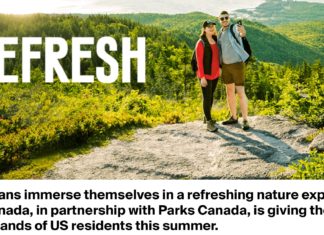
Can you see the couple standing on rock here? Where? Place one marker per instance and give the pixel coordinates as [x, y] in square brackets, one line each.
[211, 54]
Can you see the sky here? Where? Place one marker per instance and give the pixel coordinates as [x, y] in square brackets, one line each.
[126, 6]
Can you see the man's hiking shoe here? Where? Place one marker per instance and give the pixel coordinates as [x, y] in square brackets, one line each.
[245, 125]
[211, 126]
[230, 121]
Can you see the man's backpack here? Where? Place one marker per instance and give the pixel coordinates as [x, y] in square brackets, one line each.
[194, 65]
[246, 44]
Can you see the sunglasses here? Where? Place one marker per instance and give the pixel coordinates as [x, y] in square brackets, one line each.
[224, 18]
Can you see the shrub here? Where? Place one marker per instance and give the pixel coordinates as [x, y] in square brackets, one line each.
[310, 168]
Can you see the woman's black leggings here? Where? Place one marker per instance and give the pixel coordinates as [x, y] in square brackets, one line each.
[208, 95]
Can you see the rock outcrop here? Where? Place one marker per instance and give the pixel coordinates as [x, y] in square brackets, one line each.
[188, 151]
[318, 143]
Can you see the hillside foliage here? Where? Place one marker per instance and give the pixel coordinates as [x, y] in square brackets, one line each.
[267, 44]
[310, 33]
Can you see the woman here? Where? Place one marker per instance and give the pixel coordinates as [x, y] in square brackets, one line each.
[208, 68]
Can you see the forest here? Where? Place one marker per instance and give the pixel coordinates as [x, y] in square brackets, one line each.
[268, 44]
[37, 117]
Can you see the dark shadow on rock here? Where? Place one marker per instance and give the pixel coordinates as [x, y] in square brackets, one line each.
[265, 136]
[264, 151]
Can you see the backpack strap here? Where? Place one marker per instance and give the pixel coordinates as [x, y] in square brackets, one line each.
[233, 34]
[200, 40]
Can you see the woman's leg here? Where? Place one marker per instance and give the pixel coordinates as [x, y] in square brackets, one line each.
[214, 85]
[207, 99]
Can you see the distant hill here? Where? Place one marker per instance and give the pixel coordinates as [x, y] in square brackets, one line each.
[310, 33]
[185, 27]
[267, 44]
[274, 12]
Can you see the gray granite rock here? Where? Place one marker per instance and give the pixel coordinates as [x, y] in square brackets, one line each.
[318, 143]
[188, 151]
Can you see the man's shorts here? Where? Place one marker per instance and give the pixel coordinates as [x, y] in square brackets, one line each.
[233, 73]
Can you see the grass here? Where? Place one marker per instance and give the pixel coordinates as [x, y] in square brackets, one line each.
[38, 164]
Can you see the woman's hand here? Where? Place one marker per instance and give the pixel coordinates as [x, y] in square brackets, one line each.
[203, 82]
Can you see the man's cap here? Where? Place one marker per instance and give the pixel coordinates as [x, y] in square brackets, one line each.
[208, 22]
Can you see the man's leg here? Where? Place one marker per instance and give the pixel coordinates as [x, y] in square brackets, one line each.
[228, 79]
[231, 100]
[243, 101]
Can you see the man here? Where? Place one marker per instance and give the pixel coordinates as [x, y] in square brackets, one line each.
[232, 58]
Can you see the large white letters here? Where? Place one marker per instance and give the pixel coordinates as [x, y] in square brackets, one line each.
[27, 55]
[56, 48]
[51, 61]
[100, 71]
[7, 54]
[139, 54]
